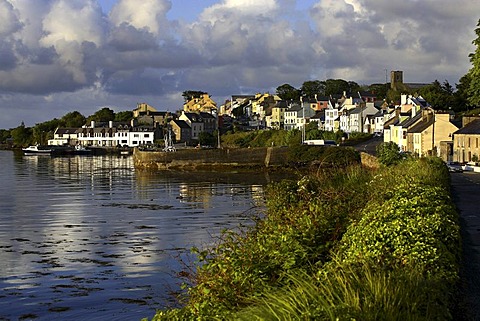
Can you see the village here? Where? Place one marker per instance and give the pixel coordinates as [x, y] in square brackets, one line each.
[413, 124]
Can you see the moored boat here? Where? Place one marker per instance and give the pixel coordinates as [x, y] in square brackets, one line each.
[36, 150]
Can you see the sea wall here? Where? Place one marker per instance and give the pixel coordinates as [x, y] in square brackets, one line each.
[265, 157]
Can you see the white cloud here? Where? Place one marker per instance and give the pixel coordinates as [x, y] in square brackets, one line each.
[146, 14]
[69, 49]
[8, 19]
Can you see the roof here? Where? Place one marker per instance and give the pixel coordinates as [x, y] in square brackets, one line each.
[180, 123]
[420, 127]
[205, 115]
[391, 121]
[66, 131]
[472, 128]
[411, 121]
[319, 115]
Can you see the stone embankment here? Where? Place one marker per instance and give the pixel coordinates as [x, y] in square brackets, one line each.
[262, 157]
[228, 158]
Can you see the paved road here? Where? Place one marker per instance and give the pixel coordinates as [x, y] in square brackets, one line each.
[466, 193]
[369, 146]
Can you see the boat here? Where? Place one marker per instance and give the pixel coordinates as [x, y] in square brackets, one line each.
[81, 150]
[36, 150]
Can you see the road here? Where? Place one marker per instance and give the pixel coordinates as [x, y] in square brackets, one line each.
[465, 189]
[369, 146]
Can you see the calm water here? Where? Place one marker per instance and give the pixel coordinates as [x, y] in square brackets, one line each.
[91, 238]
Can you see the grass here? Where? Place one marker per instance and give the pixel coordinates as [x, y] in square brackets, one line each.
[344, 244]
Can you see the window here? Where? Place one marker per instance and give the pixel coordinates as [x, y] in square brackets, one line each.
[146, 135]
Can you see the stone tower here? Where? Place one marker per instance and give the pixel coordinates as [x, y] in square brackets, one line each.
[396, 77]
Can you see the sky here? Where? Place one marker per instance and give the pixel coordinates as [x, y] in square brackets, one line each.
[59, 56]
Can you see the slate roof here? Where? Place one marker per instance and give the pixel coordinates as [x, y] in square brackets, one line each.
[319, 115]
[181, 123]
[66, 131]
[411, 121]
[420, 127]
[471, 128]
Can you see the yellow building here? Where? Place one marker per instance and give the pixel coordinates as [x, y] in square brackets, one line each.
[466, 143]
[202, 103]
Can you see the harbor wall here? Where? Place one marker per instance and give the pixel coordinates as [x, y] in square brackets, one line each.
[265, 157]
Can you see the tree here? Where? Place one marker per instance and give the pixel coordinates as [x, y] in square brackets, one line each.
[336, 86]
[123, 116]
[189, 94]
[22, 136]
[42, 132]
[474, 72]
[73, 119]
[103, 115]
[206, 139]
[388, 153]
[4, 134]
[288, 92]
[461, 95]
[440, 96]
[380, 90]
[313, 87]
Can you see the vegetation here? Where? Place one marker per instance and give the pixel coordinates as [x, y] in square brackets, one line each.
[338, 245]
[388, 153]
[42, 132]
[474, 72]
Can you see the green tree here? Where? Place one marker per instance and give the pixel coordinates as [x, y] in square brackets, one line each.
[388, 153]
[206, 139]
[42, 132]
[440, 96]
[103, 115]
[4, 134]
[461, 94]
[313, 87]
[73, 119]
[189, 94]
[124, 116]
[288, 92]
[380, 90]
[336, 86]
[22, 136]
[474, 72]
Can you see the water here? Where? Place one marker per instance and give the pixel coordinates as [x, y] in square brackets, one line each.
[91, 238]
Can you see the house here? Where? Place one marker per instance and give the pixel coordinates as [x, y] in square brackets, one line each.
[319, 118]
[209, 122]
[237, 101]
[120, 134]
[146, 114]
[181, 130]
[466, 141]
[291, 116]
[195, 122]
[200, 103]
[277, 119]
[332, 119]
[64, 136]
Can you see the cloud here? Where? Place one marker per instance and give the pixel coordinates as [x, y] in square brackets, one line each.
[146, 14]
[69, 49]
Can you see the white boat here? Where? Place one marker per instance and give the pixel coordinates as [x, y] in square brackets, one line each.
[36, 150]
[81, 150]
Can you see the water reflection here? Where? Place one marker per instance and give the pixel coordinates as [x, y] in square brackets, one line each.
[93, 238]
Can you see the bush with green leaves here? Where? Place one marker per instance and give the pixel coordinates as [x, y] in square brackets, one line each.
[346, 244]
[388, 153]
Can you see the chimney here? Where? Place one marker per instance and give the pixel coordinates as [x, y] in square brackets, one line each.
[92, 124]
[110, 123]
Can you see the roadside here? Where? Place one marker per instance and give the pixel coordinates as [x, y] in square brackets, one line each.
[466, 194]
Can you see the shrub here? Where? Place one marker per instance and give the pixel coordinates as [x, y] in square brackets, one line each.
[388, 153]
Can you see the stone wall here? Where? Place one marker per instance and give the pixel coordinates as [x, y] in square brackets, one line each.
[209, 158]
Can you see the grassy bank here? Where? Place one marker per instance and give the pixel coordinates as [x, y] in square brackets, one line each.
[341, 244]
